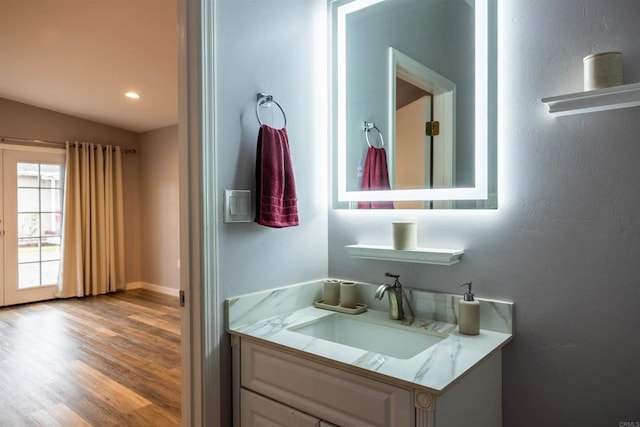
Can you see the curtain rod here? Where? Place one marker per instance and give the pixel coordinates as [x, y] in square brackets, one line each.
[44, 141]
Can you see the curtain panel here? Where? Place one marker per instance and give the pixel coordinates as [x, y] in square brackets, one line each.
[93, 221]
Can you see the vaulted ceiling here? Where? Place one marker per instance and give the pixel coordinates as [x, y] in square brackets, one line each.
[79, 57]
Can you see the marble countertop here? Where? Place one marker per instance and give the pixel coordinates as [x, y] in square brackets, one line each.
[434, 369]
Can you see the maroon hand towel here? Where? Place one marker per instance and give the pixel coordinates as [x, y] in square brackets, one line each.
[375, 177]
[276, 202]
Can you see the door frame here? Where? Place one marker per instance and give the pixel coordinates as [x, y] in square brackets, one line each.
[199, 217]
[444, 111]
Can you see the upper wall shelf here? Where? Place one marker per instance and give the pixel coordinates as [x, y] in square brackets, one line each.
[419, 255]
[609, 98]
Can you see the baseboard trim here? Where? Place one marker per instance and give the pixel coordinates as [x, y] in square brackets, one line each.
[153, 287]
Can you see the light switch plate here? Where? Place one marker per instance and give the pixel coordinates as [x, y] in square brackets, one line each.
[238, 206]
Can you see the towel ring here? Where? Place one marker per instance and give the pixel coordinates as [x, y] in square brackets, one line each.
[263, 99]
[367, 128]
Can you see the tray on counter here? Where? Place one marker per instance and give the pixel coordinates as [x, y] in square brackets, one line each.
[360, 308]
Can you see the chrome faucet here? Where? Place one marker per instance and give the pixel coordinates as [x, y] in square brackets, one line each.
[396, 294]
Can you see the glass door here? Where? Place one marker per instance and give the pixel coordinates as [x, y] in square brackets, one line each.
[32, 196]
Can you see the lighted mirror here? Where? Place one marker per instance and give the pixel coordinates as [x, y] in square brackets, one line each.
[414, 104]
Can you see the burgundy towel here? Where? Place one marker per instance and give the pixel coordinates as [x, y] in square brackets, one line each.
[276, 202]
[375, 177]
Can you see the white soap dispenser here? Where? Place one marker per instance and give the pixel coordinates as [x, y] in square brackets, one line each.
[469, 313]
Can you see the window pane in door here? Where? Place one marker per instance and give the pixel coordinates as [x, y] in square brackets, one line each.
[50, 176]
[50, 224]
[28, 175]
[28, 275]
[50, 200]
[50, 249]
[28, 225]
[28, 250]
[50, 272]
[39, 224]
[28, 200]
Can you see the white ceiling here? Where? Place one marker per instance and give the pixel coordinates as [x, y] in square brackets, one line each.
[79, 57]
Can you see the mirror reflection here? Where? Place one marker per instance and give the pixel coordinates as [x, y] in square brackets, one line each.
[423, 121]
[407, 68]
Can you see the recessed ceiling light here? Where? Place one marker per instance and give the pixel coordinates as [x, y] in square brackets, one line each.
[132, 95]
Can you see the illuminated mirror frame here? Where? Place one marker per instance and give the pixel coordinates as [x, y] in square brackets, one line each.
[480, 191]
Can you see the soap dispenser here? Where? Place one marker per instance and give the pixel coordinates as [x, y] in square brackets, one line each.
[469, 313]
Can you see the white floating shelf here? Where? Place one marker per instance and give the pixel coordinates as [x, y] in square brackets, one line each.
[609, 98]
[419, 255]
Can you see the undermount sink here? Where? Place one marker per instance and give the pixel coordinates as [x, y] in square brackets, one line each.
[390, 341]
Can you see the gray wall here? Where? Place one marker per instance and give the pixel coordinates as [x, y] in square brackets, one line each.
[159, 210]
[274, 46]
[150, 183]
[562, 245]
[565, 240]
[25, 121]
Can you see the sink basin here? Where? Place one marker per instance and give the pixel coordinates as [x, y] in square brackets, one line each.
[392, 341]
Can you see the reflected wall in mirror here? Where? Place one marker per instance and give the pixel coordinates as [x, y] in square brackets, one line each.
[420, 71]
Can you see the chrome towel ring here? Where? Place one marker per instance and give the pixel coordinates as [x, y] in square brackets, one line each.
[266, 100]
[368, 126]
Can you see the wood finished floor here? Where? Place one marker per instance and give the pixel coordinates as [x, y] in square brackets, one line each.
[110, 360]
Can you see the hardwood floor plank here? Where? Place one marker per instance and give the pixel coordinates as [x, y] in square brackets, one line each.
[148, 415]
[121, 325]
[151, 302]
[110, 360]
[158, 323]
[168, 304]
[93, 381]
[59, 415]
[158, 385]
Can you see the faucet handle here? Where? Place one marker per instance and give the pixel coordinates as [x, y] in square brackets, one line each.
[396, 279]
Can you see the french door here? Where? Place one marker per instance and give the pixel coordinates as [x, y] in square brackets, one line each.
[30, 224]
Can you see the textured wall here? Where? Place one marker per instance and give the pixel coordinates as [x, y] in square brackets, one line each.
[565, 240]
[276, 47]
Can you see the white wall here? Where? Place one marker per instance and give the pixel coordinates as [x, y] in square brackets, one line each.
[565, 240]
[275, 46]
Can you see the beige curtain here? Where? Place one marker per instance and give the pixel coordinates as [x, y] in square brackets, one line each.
[93, 222]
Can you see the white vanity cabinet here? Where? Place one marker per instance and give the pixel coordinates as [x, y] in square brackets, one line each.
[321, 391]
[283, 376]
[277, 388]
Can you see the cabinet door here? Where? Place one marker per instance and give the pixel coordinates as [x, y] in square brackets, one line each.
[339, 397]
[258, 411]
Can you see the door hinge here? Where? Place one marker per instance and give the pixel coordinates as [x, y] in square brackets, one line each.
[433, 128]
[181, 298]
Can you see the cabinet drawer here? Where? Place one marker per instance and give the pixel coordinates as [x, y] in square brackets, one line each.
[258, 411]
[330, 394]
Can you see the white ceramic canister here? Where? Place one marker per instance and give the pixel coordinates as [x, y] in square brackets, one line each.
[603, 70]
[405, 235]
